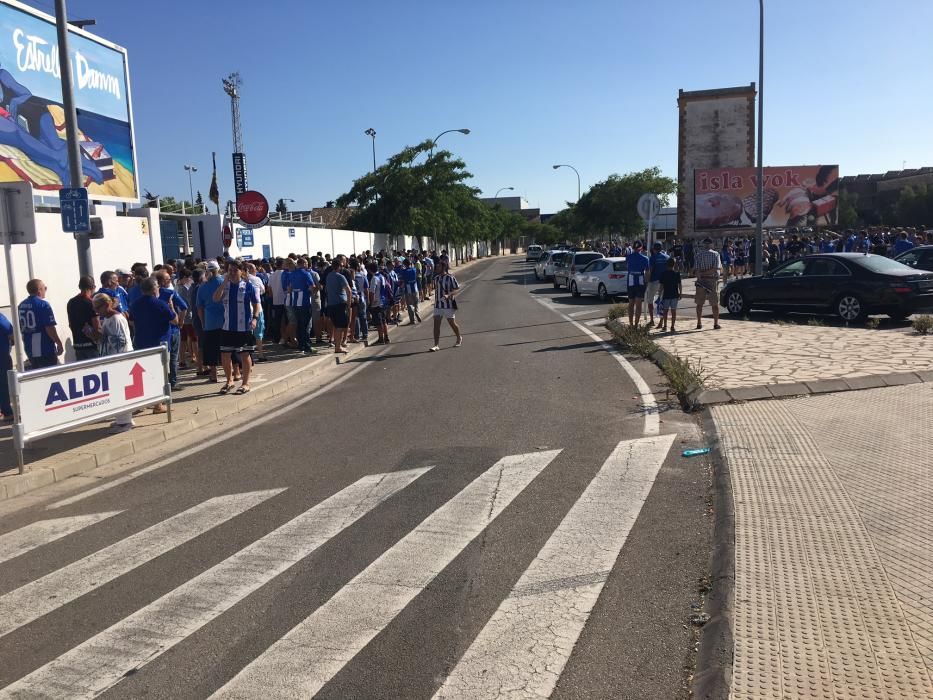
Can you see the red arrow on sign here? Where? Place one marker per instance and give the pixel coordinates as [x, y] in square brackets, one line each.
[135, 390]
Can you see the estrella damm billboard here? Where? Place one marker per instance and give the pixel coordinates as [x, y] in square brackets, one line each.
[33, 144]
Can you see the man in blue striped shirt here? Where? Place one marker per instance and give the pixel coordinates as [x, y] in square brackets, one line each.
[445, 304]
[241, 310]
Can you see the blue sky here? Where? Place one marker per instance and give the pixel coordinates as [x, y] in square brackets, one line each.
[591, 83]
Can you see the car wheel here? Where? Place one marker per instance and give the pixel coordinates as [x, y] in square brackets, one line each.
[537, 276]
[603, 294]
[736, 303]
[573, 289]
[850, 308]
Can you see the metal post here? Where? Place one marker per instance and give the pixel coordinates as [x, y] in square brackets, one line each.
[85, 265]
[759, 224]
[10, 280]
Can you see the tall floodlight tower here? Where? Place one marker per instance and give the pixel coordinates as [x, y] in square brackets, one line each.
[232, 88]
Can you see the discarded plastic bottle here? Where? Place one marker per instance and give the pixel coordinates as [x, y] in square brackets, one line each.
[694, 453]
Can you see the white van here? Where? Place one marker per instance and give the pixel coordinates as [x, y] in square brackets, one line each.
[533, 252]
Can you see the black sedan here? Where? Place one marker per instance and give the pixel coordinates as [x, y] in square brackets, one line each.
[850, 285]
[919, 257]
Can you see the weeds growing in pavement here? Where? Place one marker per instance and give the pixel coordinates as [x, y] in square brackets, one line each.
[873, 323]
[617, 311]
[815, 322]
[923, 324]
[682, 375]
[781, 322]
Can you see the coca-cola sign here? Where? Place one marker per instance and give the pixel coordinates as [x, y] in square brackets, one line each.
[252, 207]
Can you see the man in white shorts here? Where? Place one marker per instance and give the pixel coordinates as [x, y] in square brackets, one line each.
[445, 305]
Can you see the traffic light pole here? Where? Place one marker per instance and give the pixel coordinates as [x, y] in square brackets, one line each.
[85, 265]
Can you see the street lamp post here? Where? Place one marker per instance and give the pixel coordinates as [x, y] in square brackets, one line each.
[502, 241]
[759, 224]
[372, 134]
[186, 224]
[459, 131]
[191, 169]
[564, 165]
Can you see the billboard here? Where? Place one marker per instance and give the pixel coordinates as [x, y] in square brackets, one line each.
[717, 130]
[804, 195]
[32, 120]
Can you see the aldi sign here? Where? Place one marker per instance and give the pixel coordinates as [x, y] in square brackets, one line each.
[58, 398]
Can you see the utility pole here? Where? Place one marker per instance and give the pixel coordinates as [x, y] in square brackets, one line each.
[85, 265]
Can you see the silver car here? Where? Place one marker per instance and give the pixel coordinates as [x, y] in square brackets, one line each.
[544, 268]
[570, 264]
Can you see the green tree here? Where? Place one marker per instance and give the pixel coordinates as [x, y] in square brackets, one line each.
[610, 206]
[416, 199]
[914, 206]
[565, 222]
[848, 214]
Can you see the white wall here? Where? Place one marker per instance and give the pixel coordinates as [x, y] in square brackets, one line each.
[305, 240]
[127, 239]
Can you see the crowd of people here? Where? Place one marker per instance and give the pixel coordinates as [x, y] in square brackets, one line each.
[215, 315]
[737, 253]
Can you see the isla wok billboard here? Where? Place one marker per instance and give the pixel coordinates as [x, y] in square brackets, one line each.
[803, 195]
[32, 120]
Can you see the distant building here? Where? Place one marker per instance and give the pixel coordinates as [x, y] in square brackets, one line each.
[717, 129]
[516, 204]
[877, 194]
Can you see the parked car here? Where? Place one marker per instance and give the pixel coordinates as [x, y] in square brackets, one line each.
[544, 268]
[533, 252]
[919, 258]
[850, 285]
[606, 278]
[569, 264]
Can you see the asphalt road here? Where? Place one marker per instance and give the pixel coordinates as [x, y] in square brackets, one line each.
[485, 521]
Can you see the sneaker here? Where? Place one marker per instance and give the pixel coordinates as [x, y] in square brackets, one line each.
[459, 342]
[435, 348]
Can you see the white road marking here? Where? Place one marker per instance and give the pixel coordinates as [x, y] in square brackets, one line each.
[312, 652]
[650, 404]
[41, 532]
[104, 660]
[597, 322]
[585, 312]
[30, 602]
[524, 647]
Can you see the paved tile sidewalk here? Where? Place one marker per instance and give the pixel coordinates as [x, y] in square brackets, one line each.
[834, 545]
[758, 352]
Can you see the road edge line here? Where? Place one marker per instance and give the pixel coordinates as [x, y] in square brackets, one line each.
[712, 679]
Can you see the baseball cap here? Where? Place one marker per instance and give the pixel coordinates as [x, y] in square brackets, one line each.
[121, 272]
[213, 265]
[707, 240]
[636, 245]
[657, 245]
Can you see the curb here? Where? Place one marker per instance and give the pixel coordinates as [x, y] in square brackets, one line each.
[713, 677]
[701, 397]
[94, 455]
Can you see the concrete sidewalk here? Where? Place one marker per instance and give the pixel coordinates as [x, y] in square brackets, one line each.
[833, 545]
[195, 407]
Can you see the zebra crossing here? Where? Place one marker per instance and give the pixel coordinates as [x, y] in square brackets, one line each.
[523, 647]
